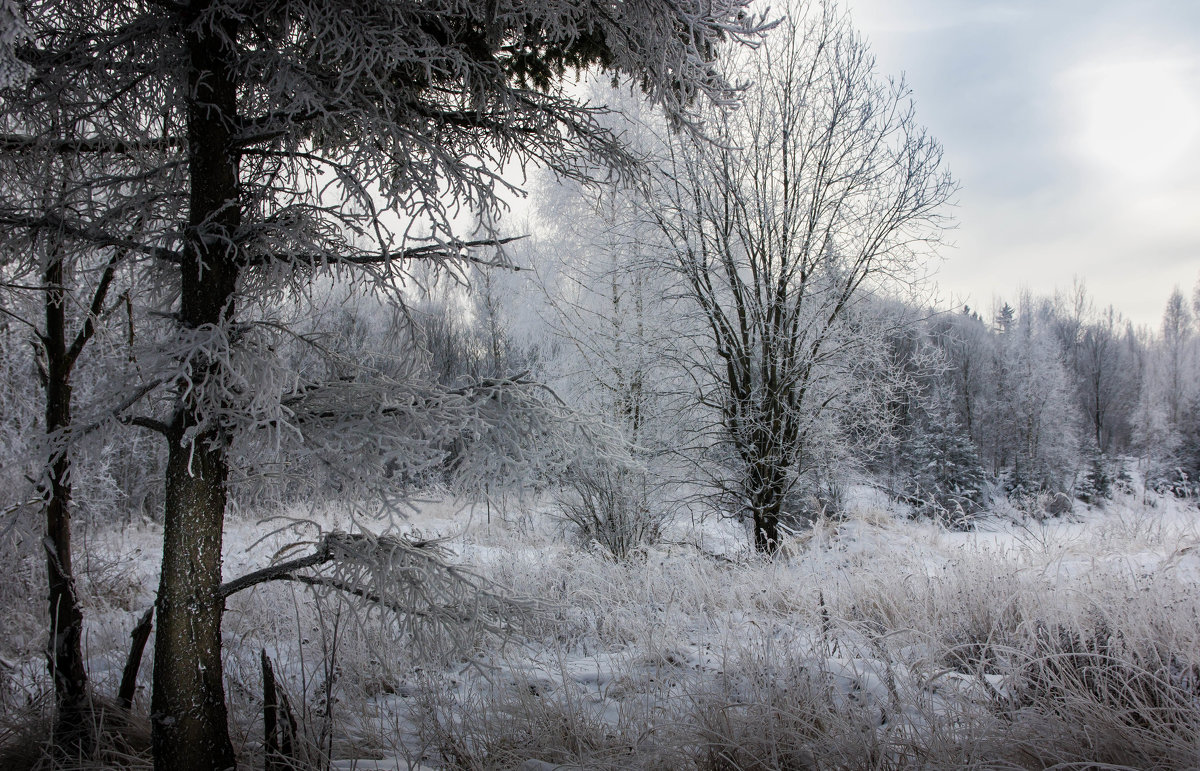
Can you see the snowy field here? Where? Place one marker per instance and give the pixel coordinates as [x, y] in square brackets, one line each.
[872, 642]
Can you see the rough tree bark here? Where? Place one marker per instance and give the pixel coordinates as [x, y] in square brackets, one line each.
[190, 722]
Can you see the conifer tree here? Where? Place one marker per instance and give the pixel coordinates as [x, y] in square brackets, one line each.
[278, 140]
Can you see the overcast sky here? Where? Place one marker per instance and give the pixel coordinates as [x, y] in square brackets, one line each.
[1073, 127]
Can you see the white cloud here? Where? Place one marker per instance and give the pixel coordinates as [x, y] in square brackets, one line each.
[1134, 121]
[1074, 128]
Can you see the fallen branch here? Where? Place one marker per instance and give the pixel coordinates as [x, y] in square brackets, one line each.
[133, 662]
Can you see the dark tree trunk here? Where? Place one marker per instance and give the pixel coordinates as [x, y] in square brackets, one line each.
[73, 725]
[279, 724]
[190, 722]
[766, 531]
[766, 505]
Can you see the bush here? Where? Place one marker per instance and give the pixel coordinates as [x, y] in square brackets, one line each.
[610, 506]
[1099, 695]
[1172, 479]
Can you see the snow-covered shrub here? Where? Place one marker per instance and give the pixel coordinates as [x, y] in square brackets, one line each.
[1092, 693]
[521, 723]
[1169, 477]
[609, 505]
[1027, 501]
[771, 713]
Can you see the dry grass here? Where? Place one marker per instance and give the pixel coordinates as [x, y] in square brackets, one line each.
[873, 644]
[27, 742]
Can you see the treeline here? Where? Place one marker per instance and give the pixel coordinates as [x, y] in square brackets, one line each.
[1044, 398]
[1052, 396]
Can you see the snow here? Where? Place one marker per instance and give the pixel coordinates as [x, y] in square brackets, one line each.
[863, 610]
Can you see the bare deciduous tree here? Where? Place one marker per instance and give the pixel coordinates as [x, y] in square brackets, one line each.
[823, 186]
[611, 305]
[1108, 378]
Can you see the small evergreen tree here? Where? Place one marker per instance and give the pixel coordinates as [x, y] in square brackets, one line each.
[1097, 481]
[947, 479]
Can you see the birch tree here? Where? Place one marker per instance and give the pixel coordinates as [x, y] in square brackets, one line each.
[611, 304]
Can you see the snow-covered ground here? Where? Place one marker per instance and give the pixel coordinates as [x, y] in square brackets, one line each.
[871, 642]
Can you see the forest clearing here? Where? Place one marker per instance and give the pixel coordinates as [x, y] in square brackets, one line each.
[564, 384]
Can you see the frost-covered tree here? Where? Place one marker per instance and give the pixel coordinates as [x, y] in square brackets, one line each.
[60, 280]
[609, 299]
[966, 347]
[931, 462]
[944, 477]
[1177, 351]
[1033, 418]
[1166, 411]
[609, 311]
[64, 290]
[821, 188]
[1095, 347]
[1108, 376]
[290, 138]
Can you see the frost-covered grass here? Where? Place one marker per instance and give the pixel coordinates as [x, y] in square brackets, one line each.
[872, 642]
